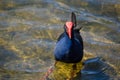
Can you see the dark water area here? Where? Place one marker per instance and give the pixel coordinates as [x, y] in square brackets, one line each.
[29, 30]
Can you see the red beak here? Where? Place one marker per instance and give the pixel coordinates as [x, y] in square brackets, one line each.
[69, 26]
[69, 33]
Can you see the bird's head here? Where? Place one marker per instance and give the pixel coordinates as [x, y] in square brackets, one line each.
[69, 26]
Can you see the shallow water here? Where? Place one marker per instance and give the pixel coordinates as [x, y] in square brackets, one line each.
[30, 28]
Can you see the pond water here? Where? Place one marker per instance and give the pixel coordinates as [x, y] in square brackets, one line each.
[29, 30]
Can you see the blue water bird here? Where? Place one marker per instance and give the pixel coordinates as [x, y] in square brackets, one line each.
[69, 47]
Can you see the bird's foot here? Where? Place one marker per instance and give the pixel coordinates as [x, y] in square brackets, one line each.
[49, 71]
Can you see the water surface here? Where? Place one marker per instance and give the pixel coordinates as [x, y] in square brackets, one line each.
[29, 30]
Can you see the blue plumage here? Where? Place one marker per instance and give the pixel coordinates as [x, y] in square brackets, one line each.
[69, 47]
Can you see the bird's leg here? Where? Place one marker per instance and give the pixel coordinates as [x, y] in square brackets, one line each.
[49, 71]
[74, 67]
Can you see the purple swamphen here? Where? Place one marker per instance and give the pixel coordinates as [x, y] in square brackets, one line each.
[69, 47]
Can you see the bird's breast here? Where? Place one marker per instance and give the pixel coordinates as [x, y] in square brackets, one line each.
[63, 47]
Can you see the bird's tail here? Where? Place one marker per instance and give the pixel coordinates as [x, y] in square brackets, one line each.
[74, 20]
